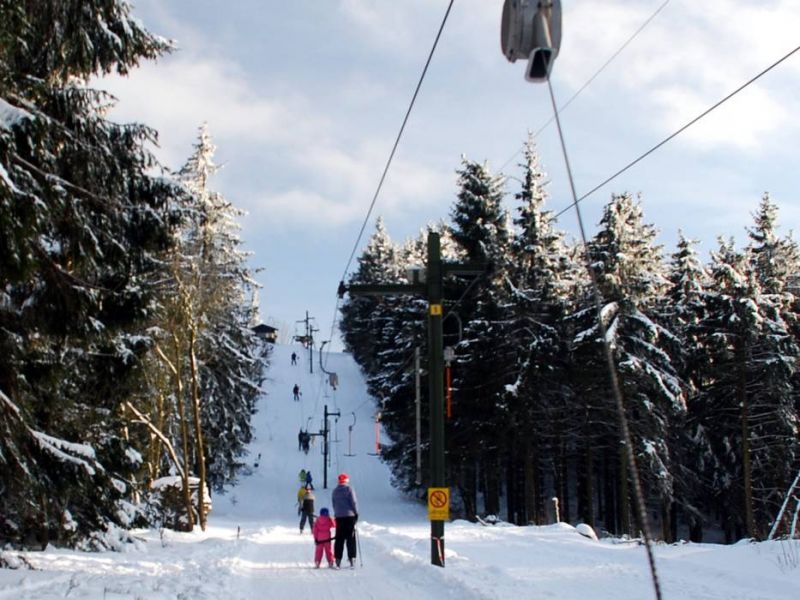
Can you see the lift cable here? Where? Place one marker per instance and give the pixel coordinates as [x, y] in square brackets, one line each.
[625, 433]
[678, 132]
[397, 140]
[389, 163]
[593, 77]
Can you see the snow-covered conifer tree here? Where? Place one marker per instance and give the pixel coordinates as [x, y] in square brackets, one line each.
[485, 357]
[749, 395]
[631, 277]
[81, 221]
[206, 341]
[537, 272]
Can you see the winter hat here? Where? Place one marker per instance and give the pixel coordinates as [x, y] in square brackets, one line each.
[344, 478]
[323, 512]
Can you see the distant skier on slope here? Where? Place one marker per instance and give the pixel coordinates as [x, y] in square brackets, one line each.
[294, 358]
[296, 392]
[345, 509]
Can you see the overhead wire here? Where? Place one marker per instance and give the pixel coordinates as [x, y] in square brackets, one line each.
[397, 140]
[389, 162]
[586, 84]
[678, 131]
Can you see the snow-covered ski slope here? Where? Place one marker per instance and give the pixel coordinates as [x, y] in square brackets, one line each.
[253, 548]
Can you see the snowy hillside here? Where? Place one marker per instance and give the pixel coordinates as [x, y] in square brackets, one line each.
[253, 549]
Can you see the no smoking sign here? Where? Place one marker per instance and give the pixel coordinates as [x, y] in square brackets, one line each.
[439, 504]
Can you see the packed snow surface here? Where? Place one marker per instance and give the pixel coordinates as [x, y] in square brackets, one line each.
[253, 547]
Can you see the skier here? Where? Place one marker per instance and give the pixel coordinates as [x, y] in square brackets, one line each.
[322, 537]
[300, 437]
[302, 476]
[294, 358]
[345, 510]
[296, 392]
[309, 480]
[305, 498]
[306, 441]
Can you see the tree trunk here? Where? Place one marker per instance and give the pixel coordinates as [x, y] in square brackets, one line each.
[492, 478]
[624, 499]
[586, 494]
[512, 512]
[531, 485]
[468, 490]
[563, 481]
[187, 494]
[610, 516]
[200, 455]
[741, 396]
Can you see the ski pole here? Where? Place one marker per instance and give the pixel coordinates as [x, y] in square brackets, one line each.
[358, 544]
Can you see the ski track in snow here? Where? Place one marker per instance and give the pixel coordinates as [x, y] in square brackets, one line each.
[270, 559]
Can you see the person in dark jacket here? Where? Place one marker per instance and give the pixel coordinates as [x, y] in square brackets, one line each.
[345, 510]
[307, 508]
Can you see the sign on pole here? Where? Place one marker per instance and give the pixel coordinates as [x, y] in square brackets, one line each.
[439, 504]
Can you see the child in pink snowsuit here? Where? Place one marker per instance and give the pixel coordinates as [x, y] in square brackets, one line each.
[322, 537]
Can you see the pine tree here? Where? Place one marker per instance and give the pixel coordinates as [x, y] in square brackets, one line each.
[211, 356]
[230, 353]
[774, 393]
[537, 274]
[82, 220]
[630, 276]
[377, 264]
[683, 311]
[748, 406]
[485, 357]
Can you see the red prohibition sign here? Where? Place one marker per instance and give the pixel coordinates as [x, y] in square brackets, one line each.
[438, 499]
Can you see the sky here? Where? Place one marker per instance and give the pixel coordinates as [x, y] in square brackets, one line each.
[304, 100]
[252, 547]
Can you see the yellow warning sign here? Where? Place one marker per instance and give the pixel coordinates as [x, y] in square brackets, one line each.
[439, 504]
[436, 310]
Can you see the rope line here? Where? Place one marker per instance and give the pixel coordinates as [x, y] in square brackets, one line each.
[625, 433]
[679, 131]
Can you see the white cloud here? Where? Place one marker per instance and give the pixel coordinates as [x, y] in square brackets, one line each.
[391, 25]
[690, 56]
[320, 176]
[179, 93]
[743, 123]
